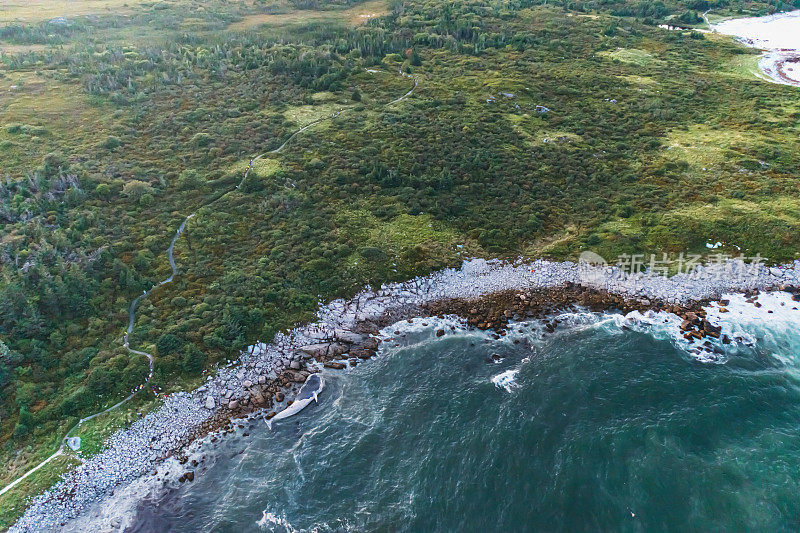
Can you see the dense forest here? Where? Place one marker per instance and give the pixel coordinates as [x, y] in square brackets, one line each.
[538, 128]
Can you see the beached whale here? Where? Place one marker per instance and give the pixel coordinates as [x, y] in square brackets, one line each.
[308, 392]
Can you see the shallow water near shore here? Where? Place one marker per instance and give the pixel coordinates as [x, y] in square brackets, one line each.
[770, 32]
[608, 423]
[779, 34]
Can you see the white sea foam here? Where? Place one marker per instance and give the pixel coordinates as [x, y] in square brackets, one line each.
[135, 451]
[272, 522]
[772, 321]
[660, 325]
[507, 380]
[773, 324]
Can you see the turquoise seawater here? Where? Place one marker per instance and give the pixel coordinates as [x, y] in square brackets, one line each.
[602, 429]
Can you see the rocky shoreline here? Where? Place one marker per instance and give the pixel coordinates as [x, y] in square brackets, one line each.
[776, 36]
[487, 294]
[778, 65]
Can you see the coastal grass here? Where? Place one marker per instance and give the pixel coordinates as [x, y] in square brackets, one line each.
[705, 148]
[24, 459]
[739, 225]
[735, 222]
[401, 238]
[95, 432]
[630, 55]
[746, 67]
[286, 17]
[42, 115]
[306, 114]
[323, 96]
[39, 10]
[642, 82]
[14, 502]
[12, 49]
[553, 137]
[264, 167]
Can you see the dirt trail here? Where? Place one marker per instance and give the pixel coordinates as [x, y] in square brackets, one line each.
[174, 268]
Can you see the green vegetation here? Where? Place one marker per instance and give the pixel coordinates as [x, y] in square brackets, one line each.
[630, 55]
[94, 433]
[538, 128]
[13, 503]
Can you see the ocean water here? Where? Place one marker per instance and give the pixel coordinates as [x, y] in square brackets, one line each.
[781, 30]
[609, 424]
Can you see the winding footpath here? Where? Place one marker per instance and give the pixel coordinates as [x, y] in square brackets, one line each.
[279, 148]
[132, 309]
[396, 100]
[315, 122]
[131, 319]
[104, 492]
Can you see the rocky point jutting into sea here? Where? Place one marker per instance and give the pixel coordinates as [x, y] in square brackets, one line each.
[486, 294]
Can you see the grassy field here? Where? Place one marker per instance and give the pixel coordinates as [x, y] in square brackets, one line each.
[630, 55]
[94, 433]
[306, 114]
[705, 149]
[286, 17]
[13, 503]
[36, 112]
[39, 10]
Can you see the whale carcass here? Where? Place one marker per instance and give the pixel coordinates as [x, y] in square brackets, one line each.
[308, 392]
